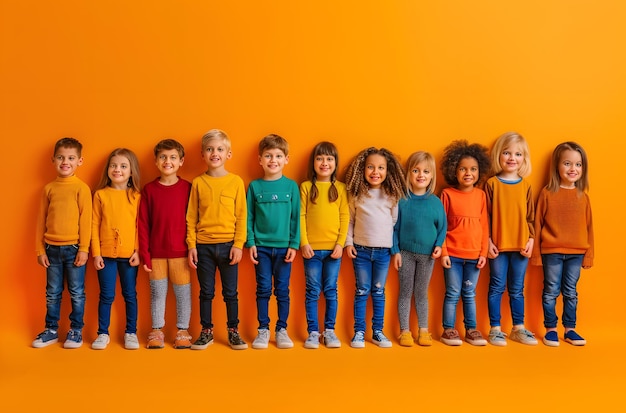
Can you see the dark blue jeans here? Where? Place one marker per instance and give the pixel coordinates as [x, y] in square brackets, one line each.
[507, 271]
[272, 267]
[561, 273]
[321, 273]
[212, 257]
[128, 282]
[62, 267]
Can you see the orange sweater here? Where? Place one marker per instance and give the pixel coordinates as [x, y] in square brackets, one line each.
[563, 225]
[468, 226]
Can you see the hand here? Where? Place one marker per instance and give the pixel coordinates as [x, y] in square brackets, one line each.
[235, 255]
[528, 250]
[291, 255]
[397, 261]
[481, 262]
[253, 255]
[134, 259]
[98, 262]
[192, 257]
[81, 258]
[436, 252]
[492, 252]
[445, 261]
[351, 251]
[43, 260]
[337, 252]
[146, 268]
[307, 251]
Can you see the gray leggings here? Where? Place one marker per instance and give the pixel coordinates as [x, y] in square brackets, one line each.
[414, 278]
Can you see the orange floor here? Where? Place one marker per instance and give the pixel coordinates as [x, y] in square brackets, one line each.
[440, 378]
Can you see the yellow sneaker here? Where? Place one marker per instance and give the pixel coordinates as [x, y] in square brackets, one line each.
[425, 339]
[406, 339]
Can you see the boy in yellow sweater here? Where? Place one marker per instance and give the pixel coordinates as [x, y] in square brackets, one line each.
[62, 242]
[216, 232]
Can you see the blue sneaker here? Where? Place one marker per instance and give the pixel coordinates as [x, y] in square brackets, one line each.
[380, 339]
[574, 339]
[358, 341]
[551, 339]
[74, 339]
[45, 338]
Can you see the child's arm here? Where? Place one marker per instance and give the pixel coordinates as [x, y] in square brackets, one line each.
[291, 254]
[436, 252]
[337, 252]
[134, 259]
[43, 260]
[445, 261]
[98, 262]
[397, 261]
[235, 255]
[307, 251]
[252, 252]
[192, 257]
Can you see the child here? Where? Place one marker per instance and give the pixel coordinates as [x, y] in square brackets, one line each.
[273, 236]
[162, 247]
[63, 234]
[564, 242]
[114, 242]
[417, 239]
[216, 232]
[465, 249]
[511, 216]
[375, 183]
[324, 217]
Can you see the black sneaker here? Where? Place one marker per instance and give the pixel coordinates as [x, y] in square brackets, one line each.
[204, 341]
[235, 340]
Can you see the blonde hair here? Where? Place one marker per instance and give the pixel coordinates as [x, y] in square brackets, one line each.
[555, 178]
[134, 187]
[416, 158]
[215, 134]
[394, 184]
[506, 140]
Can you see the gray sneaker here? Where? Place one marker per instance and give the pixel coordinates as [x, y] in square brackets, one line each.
[282, 339]
[523, 336]
[101, 342]
[497, 338]
[131, 342]
[313, 341]
[358, 341]
[262, 339]
[330, 339]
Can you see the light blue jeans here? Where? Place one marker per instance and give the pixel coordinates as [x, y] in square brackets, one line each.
[321, 273]
[370, 271]
[507, 271]
[461, 279]
[561, 273]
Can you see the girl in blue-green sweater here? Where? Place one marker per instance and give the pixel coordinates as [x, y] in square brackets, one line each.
[418, 235]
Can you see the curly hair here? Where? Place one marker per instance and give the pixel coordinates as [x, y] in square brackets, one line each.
[328, 149]
[394, 184]
[461, 149]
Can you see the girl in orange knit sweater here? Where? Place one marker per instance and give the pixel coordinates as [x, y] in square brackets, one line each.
[564, 238]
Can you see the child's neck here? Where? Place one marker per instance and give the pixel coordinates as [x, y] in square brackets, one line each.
[272, 177]
[508, 176]
[119, 186]
[418, 191]
[217, 172]
[168, 180]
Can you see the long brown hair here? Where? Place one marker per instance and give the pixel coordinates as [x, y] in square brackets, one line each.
[134, 187]
[328, 149]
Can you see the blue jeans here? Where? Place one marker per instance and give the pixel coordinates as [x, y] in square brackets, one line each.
[210, 258]
[370, 271]
[561, 273]
[461, 280]
[507, 271]
[128, 282]
[272, 267]
[321, 273]
[62, 267]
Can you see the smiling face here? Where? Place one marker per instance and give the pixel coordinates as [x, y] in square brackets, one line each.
[215, 153]
[119, 171]
[273, 161]
[570, 168]
[66, 161]
[375, 170]
[511, 160]
[420, 177]
[324, 166]
[168, 162]
[467, 173]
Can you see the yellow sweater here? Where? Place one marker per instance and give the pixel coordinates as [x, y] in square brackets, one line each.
[217, 211]
[64, 215]
[323, 224]
[114, 229]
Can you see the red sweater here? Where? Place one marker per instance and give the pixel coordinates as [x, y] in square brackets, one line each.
[162, 224]
[468, 225]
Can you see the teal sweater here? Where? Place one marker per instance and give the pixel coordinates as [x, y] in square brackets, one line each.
[421, 224]
[273, 214]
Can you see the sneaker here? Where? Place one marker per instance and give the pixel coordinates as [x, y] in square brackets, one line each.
[131, 342]
[406, 339]
[204, 340]
[156, 339]
[235, 340]
[313, 341]
[45, 338]
[451, 337]
[523, 336]
[182, 340]
[574, 339]
[330, 339]
[74, 339]
[551, 339]
[474, 337]
[282, 339]
[101, 342]
[262, 339]
[380, 339]
[425, 339]
[497, 338]
[358, 341]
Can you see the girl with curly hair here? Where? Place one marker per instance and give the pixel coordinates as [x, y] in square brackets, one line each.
[375, 183]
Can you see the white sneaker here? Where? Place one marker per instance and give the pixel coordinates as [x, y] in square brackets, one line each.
[101, 342]
[313, 341]
[262, 339]
[330, 339]
[283, 340]
[131, 342]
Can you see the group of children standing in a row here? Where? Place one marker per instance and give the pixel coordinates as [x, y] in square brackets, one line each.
[382, 214]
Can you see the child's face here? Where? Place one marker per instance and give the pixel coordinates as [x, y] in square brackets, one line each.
[324, 166]
[119, 171]
[570, 168]
[375, 170]
[216, 153]
[169, 162]
[66, 161]
[467, 173]
[273, 161]
[511, 160]
[420, 177]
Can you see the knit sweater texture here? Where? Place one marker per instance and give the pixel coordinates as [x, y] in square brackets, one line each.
[421, 224]
[323, 224]
[372, 219]
[114, 224]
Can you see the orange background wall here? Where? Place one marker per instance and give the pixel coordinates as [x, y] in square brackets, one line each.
[406, 75]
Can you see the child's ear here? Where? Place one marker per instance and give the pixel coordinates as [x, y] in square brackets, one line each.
[286, 159]
[182, 160]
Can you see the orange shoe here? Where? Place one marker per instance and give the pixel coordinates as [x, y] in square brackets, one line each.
[156, 339]
[425, 339]
[183, 340]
